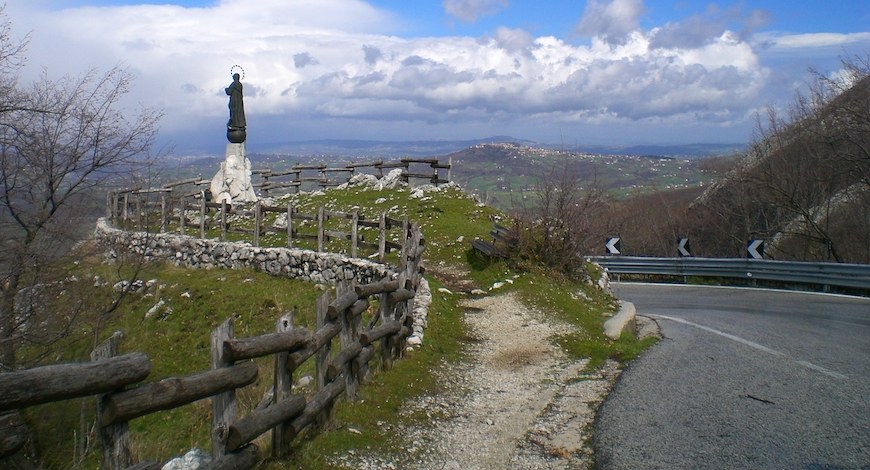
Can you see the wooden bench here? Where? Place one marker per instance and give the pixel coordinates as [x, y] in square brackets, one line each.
[487, 249]
[503, 243]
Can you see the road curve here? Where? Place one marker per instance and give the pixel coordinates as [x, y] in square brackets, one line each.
[742, 378]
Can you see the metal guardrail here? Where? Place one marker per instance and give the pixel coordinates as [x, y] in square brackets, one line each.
[825, 274]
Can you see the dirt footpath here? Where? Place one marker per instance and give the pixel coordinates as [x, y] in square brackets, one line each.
[517, 403]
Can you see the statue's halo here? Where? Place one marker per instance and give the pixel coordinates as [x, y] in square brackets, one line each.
[239, 67]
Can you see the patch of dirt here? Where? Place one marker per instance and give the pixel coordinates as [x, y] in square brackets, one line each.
[454, 277]
[518, 403]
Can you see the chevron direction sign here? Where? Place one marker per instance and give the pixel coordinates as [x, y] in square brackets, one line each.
[683, 248]
[612, 246]
[755, 249]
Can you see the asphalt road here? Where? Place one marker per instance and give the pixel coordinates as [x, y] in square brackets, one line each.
[742, 379]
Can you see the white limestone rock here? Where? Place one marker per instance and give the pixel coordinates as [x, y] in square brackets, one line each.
[192, 460]
[392, 180]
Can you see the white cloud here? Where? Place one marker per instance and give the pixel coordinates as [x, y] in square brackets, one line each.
[335, 61]
[810, 40]
[470, 10]
[612, 20]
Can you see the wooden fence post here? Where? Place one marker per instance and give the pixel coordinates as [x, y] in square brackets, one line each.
[354, 233]
[403, 256]
[223, 220]
[320, 222]
[281, 435]
[162, 212]
[289, 225]
[114, 438]
[115, 202]
[321, 358]
[139, 210]
[202, 214]
[257, 217]
[223, 405]
[382, 237]
[387, 307]
[348, 336]
[182, 222]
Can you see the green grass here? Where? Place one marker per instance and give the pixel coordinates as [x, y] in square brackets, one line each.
[178, 344]
[177, 340]
[566, 300]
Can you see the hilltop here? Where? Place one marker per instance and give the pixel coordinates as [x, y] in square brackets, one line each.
[508, 174]
[502, 171]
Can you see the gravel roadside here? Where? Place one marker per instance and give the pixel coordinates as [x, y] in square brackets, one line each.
[519, 402]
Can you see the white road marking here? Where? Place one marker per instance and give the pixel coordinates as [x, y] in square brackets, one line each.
[821, 369]
[757, 289]
[755, 345]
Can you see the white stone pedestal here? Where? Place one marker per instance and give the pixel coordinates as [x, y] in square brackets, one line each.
[232, 183]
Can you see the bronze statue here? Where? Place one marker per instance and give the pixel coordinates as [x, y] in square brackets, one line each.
[236, 125]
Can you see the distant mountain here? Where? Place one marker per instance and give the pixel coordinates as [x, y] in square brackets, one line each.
[501, 172]
[378, 148]
[426, 148]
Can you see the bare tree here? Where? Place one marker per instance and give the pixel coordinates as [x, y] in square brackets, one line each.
[558, 229]
[808, 160]
[802, 177]
[61, 143]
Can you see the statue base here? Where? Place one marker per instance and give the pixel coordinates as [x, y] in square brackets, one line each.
[236, 135]
[232, 183]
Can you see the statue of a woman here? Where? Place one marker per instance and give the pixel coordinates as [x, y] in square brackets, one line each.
[236, 125]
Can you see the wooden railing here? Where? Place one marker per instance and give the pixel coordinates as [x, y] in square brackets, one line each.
[320, 174]
[348, 334]
[151, 209]
[142, 212]
[284, 181]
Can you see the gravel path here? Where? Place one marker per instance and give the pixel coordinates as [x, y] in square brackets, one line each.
[520, 403]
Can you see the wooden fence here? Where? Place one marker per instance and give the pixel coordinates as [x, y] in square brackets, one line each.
[152, 208]
[292, 179]
[296, 176]
[136, 207]
[341, 346]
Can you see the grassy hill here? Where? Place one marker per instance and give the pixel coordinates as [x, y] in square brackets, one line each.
[176, 334]
[507, 174]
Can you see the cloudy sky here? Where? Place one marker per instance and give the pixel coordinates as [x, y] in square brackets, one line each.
[569, 71]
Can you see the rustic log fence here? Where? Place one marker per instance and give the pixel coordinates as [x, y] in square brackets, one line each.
[155, 208]
[143, 211]
[341, 347]
[293, 178]
[278, 182]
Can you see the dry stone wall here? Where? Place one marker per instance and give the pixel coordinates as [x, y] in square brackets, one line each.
[197, 253]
